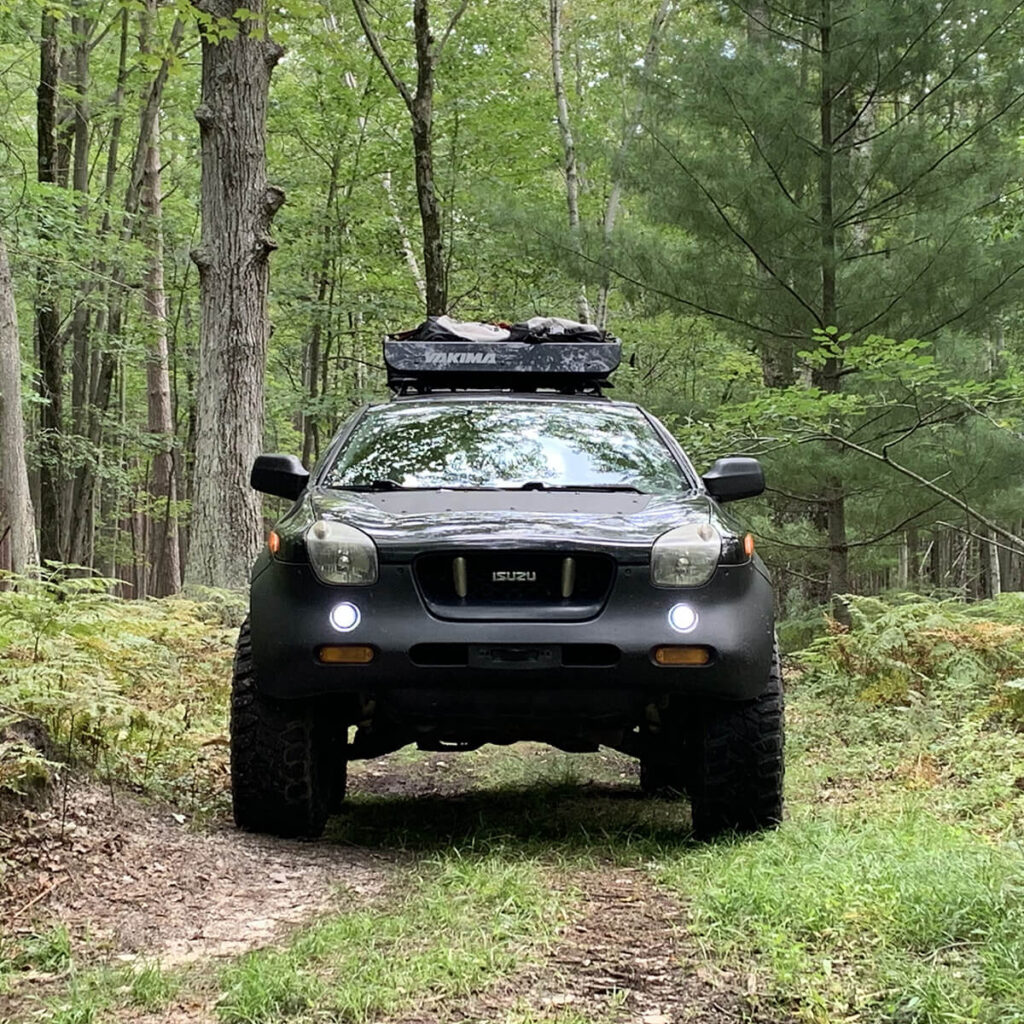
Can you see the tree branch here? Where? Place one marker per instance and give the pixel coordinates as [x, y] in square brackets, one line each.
[378, 50]
[459, 12]
[738, 235]
[929, 484]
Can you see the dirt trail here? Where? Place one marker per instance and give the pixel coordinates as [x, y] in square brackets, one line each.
[142, 884]
[625, 960]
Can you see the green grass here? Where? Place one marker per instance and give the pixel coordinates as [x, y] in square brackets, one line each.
[48, 952]
[91, 993]
[466, 921]
[150, 987]
[894, 894]
[900, 917]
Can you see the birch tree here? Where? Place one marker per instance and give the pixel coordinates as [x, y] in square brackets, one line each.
[569, 167]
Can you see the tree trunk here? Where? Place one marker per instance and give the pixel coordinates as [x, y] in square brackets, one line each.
[17, 518]
[829, 379]
[410, 256]
[79, 524]
[163, 575]
[611, 212]
[903, 566]
[995, 576]
[48, 337]
[422, 110]
[103, 362]
[572, 188]
[238, 207]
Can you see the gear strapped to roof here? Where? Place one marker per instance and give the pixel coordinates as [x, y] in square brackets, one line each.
[544, 352]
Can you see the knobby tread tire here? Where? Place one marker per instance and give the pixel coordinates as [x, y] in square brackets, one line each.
[279, 779]
[738, 762]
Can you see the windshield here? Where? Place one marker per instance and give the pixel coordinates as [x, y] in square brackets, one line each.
[506, 444]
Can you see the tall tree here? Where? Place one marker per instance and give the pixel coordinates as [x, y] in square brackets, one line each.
[238, 206]
[49, 343]
[839, 166]
[420, 104]
[569, 168]
[163, 574]
[17, 518]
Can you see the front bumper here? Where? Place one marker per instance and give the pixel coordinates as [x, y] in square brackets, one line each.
[290, 612]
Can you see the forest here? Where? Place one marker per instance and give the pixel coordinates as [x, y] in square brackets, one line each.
[802, 219]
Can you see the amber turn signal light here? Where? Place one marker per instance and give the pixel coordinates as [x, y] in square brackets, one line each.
[748, 544]
[274, 542]
[344, 654]
[682, 655]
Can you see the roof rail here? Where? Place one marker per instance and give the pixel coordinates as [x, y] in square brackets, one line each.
[550, 362]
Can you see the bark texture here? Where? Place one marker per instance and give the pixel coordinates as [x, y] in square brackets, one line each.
[238, 207]
[829, 378]
[572, 187]
[17, 518]
[49, 343]
[665, 10]
[420, 105]
[163, 574]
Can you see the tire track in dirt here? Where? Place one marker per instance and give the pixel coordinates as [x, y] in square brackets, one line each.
[145, 887]
[625, 958]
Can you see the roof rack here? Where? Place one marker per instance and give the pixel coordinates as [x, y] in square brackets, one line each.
[548, 362]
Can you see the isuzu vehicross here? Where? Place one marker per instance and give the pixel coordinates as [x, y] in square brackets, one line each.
[500, 553]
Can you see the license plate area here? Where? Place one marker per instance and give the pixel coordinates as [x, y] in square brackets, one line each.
[513, 656]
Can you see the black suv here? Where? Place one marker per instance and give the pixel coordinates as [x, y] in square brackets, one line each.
[500, 553]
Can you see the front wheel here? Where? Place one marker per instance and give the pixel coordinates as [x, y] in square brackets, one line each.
[279, 773]
[737, 763]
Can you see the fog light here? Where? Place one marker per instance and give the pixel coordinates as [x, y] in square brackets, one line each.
[682, 618]
[344, 654]
[682, 655]
[345, 617]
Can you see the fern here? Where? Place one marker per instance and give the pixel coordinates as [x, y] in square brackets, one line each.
[963, 658]
[131, 690]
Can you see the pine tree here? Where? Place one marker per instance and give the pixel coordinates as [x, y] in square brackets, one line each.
[834, 163]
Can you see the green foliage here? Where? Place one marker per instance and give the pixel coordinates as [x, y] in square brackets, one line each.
[48, 952]
[24, 771]
[134, 690]
[960, 657]
[151, 987]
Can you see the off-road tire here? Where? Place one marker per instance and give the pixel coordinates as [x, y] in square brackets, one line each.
[279, 775]
[737, 762]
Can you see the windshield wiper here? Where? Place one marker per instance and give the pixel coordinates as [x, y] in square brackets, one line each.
[539, 485]
[393, 485]
[373, 485]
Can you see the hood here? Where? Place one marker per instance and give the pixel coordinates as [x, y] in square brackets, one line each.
[406, 523]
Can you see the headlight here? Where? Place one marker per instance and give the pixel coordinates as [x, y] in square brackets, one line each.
[341, 554]
[686, 556]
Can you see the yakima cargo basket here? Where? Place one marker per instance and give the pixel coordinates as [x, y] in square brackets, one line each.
[559, 362]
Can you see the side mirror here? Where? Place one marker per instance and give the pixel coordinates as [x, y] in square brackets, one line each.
[734, 478]
[280, 475]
